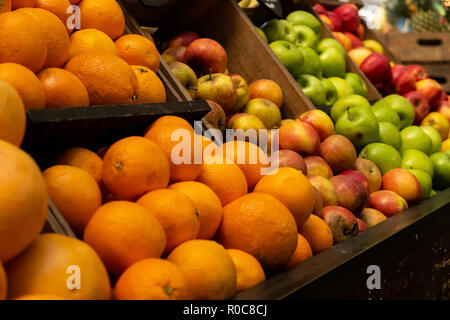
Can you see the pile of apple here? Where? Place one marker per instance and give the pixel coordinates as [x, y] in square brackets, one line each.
[200, 64]
[319, 66]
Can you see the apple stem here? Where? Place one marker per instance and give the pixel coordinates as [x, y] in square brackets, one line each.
[210, 75]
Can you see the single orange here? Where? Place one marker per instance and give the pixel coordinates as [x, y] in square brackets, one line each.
[317, 233]
[84, 159]
[60, 9]
[91, 40]
[301, 253]
[12, 114]
[103, 15]
[267, 89]
[138, 50]
[151, 88]
[248, 270]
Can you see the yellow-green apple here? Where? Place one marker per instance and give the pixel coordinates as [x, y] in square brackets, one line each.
[333, 63]
[326, 189]
[313, 89]
[359, 125]
[342, 222]
[320, 121]
[441, 163]
[402, 106]
[304, 18]
[331, 94]
[182, 40]
[371, 172]
[267, 111]
[431, 89]
[358, 55]
[384, 113]
[377, 68]
[419, 72]
[242, 93]
[372, 217]
[348, 13]
[186, 76]
[217, 87]
[286, 121]
[360, 32]
[389, 134]
[403, 79]
[362, 226]
[306, 37]
[413, 137]
[357, 83]
[312, 64]
[289, 54]
[436, 140]
[351, 193]
[318, 166]
[444, 109]
[355, 174]
[415, 159]
[344, 40]
[403, 183]
[267, 89]
[384, 156]
[356, 42]
[174, 54]
[347, 102]
[424, 181]
[320, 9]
[262, 34]
[326, 43]
[276, 30]
[438, 122]
[246, 122]
[387, 202]
[206, 56]
[233, 117]
[318, 203]
[216, 117]
[419, 103]
[339, 153]
[373, 45]
[335, 21]
[299, 137]
[289, 158]
[343, 88]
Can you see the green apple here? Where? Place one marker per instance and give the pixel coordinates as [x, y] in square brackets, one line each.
[414, 138]
[384, 113]
[333, 63]
[312, 65]
[289, 54]
[416, 159]
[343, 87]
[267, 111]
[326, 43]
[357, 83]
[441, 164]
[389, 134]
[436, 140]
[330, 92]
[359, 125]
[305, 19]
[313, 89]
[344, 103]
[262, 34]
[279, 30]
[402, 106]
[306, 37]
[383, 155]
[424, 180]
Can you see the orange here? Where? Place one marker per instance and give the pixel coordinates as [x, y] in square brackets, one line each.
[3, 283]
[91, 40]
[302, 252]
[176, 213]
[26, 83]
[152, 279]
[249, 157]
[62, 89]
[317, 233]
[171, 120]
[84, 159]
[16, 4]
[12, 114]
[207, 203]
[58, 8]
[225, 178]
[248, 270]
[23, 40]
[293, 189]
[39, 297]
[23, 201]
[207, 268]
[107, 78]
[75, 193]
[177, 143]
[55, 32]
[134, 166]
[262, 226]
[123, 233]
[5, 6]
[267, 89]
[151, 88]
[138, 50]
[103, 15]
[59, 266]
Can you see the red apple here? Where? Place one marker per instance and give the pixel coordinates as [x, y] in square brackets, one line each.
[404, 80]
[174, 54]
[343, 223]
[339, 153]
[404, 183]
[219, 88]
[372, 217]
[291, 159]
[443, 97]
[387, 202]
[371, 172]
[348, 13]
[299, 137]
[357, 176]
[344, 40]
[377, 68]
[206, 56]
[420, 73]
[335, 22]
[356, 42]
[444, 109]
[351, 193]
[419, 103]
[320, 9]
[360, 31]
[362, 226]
[326, 189]
[320, 121]
[242, 93]
[317, 166]
[431, 89]
[182, 40]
